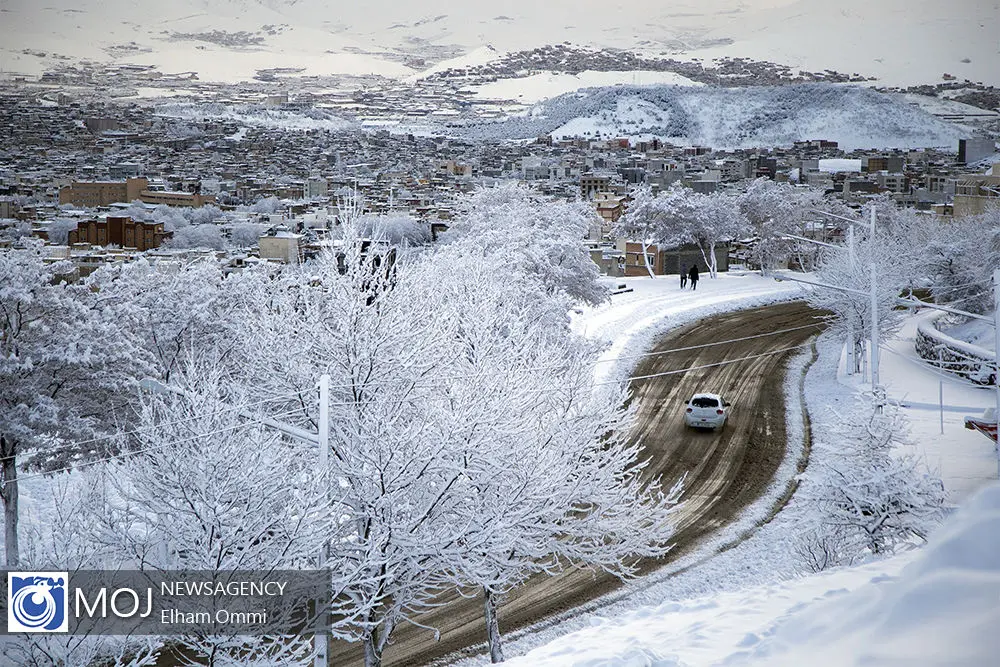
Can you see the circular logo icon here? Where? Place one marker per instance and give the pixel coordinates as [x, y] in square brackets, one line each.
[34, 606]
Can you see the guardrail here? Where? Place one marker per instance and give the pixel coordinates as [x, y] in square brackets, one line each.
[966, 360]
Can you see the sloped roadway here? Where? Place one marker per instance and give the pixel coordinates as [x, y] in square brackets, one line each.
[727, 470]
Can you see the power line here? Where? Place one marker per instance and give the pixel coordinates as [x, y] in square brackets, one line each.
[603, 361]
[695, 368]
[84, 464]
[704, 345]
[438, 381]
[112, 436]
[262, 420]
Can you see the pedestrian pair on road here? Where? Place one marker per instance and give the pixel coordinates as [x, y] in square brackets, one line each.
[689, 274]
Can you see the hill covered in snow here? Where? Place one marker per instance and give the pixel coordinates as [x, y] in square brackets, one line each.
[730, 118]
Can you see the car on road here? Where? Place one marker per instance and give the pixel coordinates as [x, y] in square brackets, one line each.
[706, 411]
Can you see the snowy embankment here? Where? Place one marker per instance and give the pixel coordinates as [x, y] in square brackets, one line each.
[750, 604]
[936, 606]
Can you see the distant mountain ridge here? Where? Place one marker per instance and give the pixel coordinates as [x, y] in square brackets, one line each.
[731, 118]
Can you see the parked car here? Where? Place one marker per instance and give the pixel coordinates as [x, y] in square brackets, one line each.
[706, 411]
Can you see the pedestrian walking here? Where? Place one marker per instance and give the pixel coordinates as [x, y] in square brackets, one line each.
[684, 276]
[693, 276]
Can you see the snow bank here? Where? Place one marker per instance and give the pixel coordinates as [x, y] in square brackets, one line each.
[937, 606]
[943, 609]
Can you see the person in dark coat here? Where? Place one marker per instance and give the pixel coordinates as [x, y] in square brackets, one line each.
[693, 276]
[684, 276]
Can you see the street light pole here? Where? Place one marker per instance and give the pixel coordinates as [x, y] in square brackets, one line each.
[321, 638]
[876, 388]
[852, 364]
[996, 359]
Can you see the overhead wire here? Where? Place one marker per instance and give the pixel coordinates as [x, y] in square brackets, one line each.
[101, 438]
[106, 459]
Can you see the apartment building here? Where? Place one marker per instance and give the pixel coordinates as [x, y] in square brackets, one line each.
[121, 231]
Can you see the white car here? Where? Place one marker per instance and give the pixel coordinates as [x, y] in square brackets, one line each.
[706, 411]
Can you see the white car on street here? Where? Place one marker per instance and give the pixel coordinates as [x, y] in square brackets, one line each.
[706, 411]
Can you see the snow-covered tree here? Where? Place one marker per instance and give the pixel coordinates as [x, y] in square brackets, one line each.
[198, 236]
[550, 479]
[852, 310]
[655, 220]
[372, 330]
[210, 487]
[63, 357]
[56, 539]
[681, 215]
[397, 229]
[959, 258]
[246, 234]
[872, 496]
[461, 418]
[773, 210]
[537, 237]
[717, 219]
[59, 229]
[172, 308]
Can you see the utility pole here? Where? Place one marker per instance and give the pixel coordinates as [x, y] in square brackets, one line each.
[851, 346]
[321, 638]
[996, 359]
[876, 388]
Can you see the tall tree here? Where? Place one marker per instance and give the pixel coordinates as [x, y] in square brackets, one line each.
[549, 478]
[538, 237]
[64, 356]
[207, 485]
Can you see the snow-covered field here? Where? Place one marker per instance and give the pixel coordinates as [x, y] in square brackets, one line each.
[749, 604]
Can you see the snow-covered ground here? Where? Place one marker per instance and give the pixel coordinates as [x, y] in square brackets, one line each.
[965, 459]
[628, 323]
[834, 165]
[935, 606]
[750, 604]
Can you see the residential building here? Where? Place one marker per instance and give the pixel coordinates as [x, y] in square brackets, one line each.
[975, 149]
[610, 207]
[121, 231]
[667, 261]
[280, 244]
[975, 193]
[186, 199]
[92, 194]
[591, 184]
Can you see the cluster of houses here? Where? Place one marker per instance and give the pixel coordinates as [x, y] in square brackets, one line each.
[92, 160]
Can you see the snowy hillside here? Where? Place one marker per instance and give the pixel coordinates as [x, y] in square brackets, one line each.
[733, 118]
[900, 42]
[937, 607]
